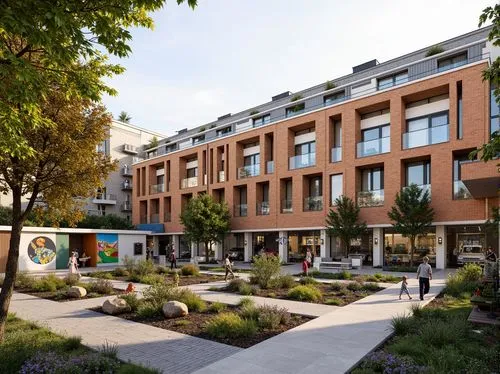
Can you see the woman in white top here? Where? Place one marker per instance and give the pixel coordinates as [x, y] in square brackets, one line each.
[228, 266]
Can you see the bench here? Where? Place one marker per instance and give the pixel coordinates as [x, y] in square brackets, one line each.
[336, 265]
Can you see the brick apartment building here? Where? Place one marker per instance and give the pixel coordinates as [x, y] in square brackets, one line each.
[367, 135]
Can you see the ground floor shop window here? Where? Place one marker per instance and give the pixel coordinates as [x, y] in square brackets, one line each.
[265, 242]
[300, 241]
[397, 249]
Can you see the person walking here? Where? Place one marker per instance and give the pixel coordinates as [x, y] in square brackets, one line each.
[490, 255]
[309, 257]
[173, 260]
[228, 266]
[404, 287]
[424, 275]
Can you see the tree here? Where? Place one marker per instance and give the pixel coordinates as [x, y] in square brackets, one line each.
[491, 149]
[206, 221]
[412, 214]
[124, 117]
[153, 143]
[344, 222]
[49, 47]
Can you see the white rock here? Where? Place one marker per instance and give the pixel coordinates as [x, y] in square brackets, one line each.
[173, 309]
[115, 306]
[77, 292]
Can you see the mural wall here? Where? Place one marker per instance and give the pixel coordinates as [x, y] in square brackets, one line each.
[107, 249]
[37, 252]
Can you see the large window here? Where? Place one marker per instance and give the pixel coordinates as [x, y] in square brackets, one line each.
[334, 98]
[452, 62]
[375, 140]
[418, 173]
[192, 172]
[296, 109]
[494, 112]
[460, 191]
[392, 80]
[460, 121]
[372, 185]
[305, 156]
[224, 131]
[337, 188]
[263, 120]
[286, 204]
[427, 130]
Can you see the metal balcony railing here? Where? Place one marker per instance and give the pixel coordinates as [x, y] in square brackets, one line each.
[127, 171]
[302, 161]
[370, 198]
[248, 171]
[313, 204]
[241, 210]
[126, 185]
[263, 208]
[428, 136]
[286, 206]
[189, 182]
[103, 198]
[336, 154]
[129, 148]
[374, 147]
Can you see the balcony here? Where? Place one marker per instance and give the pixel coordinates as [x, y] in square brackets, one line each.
[460, 191]
[428, 136]
[286, 206]
[423, 187]
[126, 171]
[374, 147]
[302, 161]
[103, 198]
[269, 167]
[248, 171]
[154, 218]
[370, 198]
[240, 210]
[313, 204]
[189, 182]
[126, 206]
[222, 176]
[167, 217]
[156, 188]
[126, 185]
[336, 155]
[136, 159]
[263, 208]
[130, 149]
[95, 212]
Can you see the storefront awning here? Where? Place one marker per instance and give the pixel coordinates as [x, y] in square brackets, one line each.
[154, 227]
[483, 187]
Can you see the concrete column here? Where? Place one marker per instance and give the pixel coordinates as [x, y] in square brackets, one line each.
[441, 248]
[194, 254]
[248, 246]
[283, 245]
[324, 249]
[177, 245]
[217, 247]
[378, 246]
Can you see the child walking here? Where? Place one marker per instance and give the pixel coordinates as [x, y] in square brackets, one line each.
[404, 287]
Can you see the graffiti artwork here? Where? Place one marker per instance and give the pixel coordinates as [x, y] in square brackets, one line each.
[107, 248]
[42, 250]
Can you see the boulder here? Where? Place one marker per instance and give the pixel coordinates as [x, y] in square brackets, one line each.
[115, 306]
[173, 309]
[77, 292]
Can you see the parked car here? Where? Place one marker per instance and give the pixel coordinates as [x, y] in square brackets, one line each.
[237, 254]
[186, 253]
[471, 253]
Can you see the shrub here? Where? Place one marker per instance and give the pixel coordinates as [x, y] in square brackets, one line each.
[246, 289]
[308, 280]
[337, 286]
[382, 362]
[158, 294]
[182, 322]
[333, 301]
[121, 272]
[354, 286]
[264, 268]
[305, 293]
[250, 312]
[148, 310]
[190, 269]
[109, 350]
[244, 301]
[49, 283]
[217, 307]
[2, 279]
[284, 281]
[270, 317]
[464, 281]
[129, 264]
[102, 275]
[24, 280]
[71, 279]
[132, 300]
[240, 286]
[188, 297]
[51, 362]
[101, 286]
[402, 325]
[152, 279]
[344, 274]
[230, 325]
[370, 287]
[434, 50]
[144, 267]
[162, 270]
[470, 273]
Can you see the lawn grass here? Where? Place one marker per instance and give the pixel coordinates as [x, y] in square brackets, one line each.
[24, 339]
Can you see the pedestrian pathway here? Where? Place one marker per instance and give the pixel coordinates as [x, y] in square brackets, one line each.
[165, 350]
[332, 343]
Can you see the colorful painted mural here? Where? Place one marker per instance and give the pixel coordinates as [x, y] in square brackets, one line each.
[42, 250]
[107, 248]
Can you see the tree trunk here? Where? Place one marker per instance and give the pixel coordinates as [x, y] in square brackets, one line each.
[12, 264]
[206, 252]
[412, 247]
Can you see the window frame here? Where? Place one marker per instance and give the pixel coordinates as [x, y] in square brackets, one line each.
[426, 172]
[265, 119]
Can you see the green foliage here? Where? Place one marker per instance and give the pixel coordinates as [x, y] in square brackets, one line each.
[153, 143]
[182, 322]
[148, 310]
[464, 281]
[124, 117]
[129, 263]
[230, 325]
[217, 307]
[202, 129]
[24, 280]
[235, 284]
[132, 300]
[71, 279]
[412, 214]
[102, 275]
[158, 294]
[270, 317]
[188, 297]
[190, 269]
[109, 221]
[264, 268]
[253, 112]
[244, 301]
[152, 279]
[5, 216]
[337, 286]
[205, 221]
[305, 293]
[434, 50]
[295, 98]
[470, 273]
[308, 280]
[354, 286]
[402, 325]
[333, 301]
[344, 222]
[49, 283]
[100, 286]
[250, 311]
[245, 289]
[121, 272]
[373, 287]
[329, 85]
[284, 281]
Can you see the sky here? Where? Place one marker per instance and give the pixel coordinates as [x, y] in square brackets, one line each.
[231, 55]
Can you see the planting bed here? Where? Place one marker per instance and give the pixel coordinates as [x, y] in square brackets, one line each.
[61, 295]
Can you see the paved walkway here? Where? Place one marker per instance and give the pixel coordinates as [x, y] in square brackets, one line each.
[168, 351]
[332, 343]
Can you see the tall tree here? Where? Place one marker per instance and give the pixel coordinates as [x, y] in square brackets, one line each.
[344, 222]
[412, 214]
[491, 149]
[48, 47]
[124, 117]
[206, 221]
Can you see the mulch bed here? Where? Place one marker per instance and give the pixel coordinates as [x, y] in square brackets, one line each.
[197, 323]
[56, 296]
[184, 280]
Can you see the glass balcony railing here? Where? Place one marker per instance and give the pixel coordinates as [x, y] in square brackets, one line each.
[248, 171]
[286, 206]
[126, 185]
[105, 197]
[313, 204]
[336, 154]
[302, 161]
[428, 136]
[423, 187]
[263, 208]
[460, 191]
[154, 218]
[240, 210]
[127, 171]
[126, 206]
[269, 167]
[156, 188]
[189, 182]
[129, 148]
[222, 176]
[167, 217]
[370, 198]
[374, 147]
